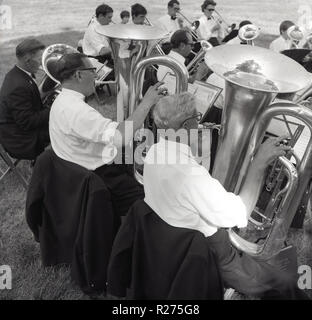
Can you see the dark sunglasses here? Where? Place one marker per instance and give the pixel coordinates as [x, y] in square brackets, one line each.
[211, 10]
[198, 116]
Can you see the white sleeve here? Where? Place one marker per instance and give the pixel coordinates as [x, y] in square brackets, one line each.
[213, 203]
[90, 125]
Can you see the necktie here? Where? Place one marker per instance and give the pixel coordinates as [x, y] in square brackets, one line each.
[173, 18]
[33, 76]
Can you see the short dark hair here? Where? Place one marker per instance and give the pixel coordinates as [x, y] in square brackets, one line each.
[244, 23]
[124, 13]
[137, 9]
[172, 2]
[180, 36]
[103, 9]
[68, 64]
[207, 3]
[285, 25]
[30, 45]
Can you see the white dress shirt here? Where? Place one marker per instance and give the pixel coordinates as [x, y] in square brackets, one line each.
[280, 44]
[204, 30]
[184, 194]
[79, 133]
[162, 70]
[169, 25]
[93, 42]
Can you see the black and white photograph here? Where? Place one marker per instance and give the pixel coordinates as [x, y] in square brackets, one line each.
[156, 152]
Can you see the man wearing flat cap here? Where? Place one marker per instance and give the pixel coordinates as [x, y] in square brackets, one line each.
[23, 119]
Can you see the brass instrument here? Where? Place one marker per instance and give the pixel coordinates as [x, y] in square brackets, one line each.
[221, 21]
[246, 115]
[199, 56]
[157, 45]
[249, 33]
[193, 26]
[295, 35]
[50, 82]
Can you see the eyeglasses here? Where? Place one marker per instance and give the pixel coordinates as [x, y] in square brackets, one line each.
[198, 116]
[91, 69]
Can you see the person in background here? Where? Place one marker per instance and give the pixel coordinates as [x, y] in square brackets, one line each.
[138, 14]
[94, 44]
[282, 42]
[124, 16]
[209, 29]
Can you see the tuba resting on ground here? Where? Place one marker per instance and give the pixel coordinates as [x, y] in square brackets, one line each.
[253, 78]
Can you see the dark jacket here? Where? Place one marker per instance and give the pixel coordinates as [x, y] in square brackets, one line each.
[68, 208]
[23, 120]
[157, 261]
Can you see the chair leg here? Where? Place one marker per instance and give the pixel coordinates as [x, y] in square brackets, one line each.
[12, 167]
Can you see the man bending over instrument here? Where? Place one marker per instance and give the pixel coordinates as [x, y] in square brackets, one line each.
[81, 135]
[183, 194]
[94, 44]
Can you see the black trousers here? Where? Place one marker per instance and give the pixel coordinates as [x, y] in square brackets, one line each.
[250, 276]
[124, 189]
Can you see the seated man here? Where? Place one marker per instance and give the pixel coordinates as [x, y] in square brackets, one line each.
[209, 28]
[182, 44]
[138, 14]
[23, 119]
[81, 135]
[282, 42]
[183, 194]
[94, 44]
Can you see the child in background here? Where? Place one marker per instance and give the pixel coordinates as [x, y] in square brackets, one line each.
[125, 16]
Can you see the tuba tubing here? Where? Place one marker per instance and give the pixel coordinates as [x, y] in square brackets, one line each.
[298, 180]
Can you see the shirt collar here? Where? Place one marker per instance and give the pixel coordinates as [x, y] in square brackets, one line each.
[172, 145]
[74, 93]
[24, 71]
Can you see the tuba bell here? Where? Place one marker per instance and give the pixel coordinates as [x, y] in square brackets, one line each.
[253, 77]
[50, 82]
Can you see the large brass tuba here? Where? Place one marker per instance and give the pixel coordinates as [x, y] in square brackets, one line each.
[246, 116]
[129, 45]
[130, 70]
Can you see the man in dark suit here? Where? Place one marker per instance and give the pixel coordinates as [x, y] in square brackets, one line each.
[23, 119]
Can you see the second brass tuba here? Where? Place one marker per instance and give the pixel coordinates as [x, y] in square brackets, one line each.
[253, 77]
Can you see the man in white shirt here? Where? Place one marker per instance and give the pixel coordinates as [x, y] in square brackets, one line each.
[282, 42]
[93, 43]
[81, 135]
[184, 195]
[182, 44]
[209, 28]
[170, 21]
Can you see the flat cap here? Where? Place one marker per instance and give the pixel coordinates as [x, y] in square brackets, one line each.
[28, 45]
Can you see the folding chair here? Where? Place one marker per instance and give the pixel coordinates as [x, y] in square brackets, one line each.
[12, 166]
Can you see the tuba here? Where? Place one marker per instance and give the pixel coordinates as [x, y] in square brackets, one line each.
[129, 45]
[49, 82]
[130, 70]
[253, 77]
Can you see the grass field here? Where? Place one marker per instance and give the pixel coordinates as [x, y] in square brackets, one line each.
[62, 22]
